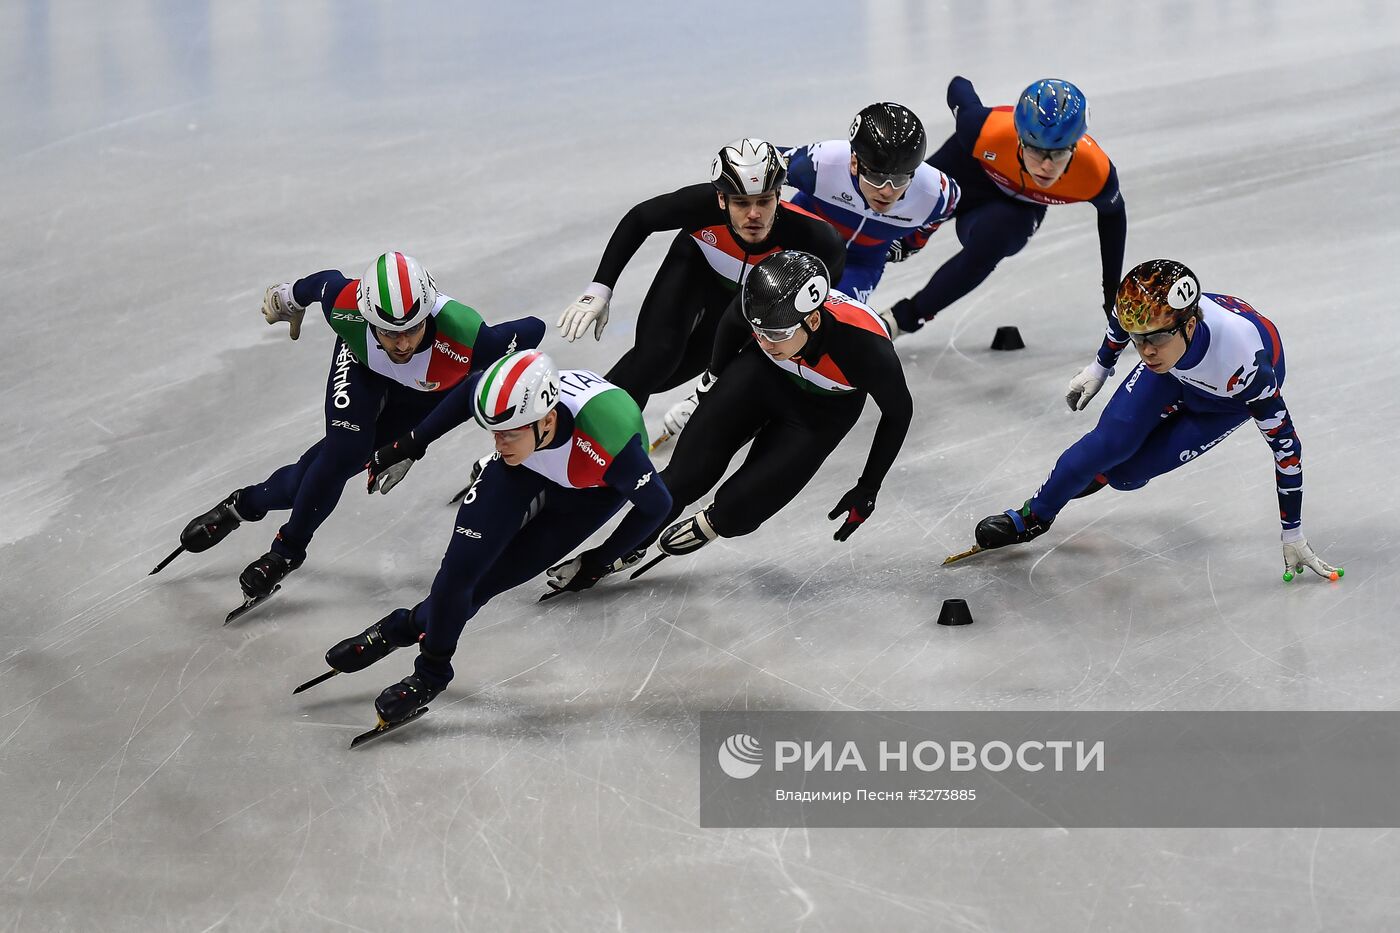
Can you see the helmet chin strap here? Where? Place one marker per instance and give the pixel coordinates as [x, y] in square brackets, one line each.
[535, 429]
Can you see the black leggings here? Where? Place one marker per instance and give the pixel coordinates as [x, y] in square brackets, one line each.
[793, 432]
[991, 226]
[675, 325]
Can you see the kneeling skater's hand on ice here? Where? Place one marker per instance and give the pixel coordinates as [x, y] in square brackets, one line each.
[858, 503]
[1297, 555]
[391, 463]
[573, 576]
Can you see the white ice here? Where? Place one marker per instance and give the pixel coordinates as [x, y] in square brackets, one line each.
[164, 161]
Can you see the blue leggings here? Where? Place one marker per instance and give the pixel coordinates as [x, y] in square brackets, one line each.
[364, 410]
[989, 231]
[512, 525]
[1152, 425]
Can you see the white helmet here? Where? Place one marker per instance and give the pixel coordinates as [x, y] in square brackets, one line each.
[396, 293]
[748, 166]
[518, 389]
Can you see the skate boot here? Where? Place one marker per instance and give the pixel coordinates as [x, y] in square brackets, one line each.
[1014, 526]
[263, 575]
[687, 535]
[902, 318]
[371, 645]
[213, 526]
[403, 699]
[627, 560]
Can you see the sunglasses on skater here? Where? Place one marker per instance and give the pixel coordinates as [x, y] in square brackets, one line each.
[1054, 156]
[877, 180]
[777, 335]
[1158, 338]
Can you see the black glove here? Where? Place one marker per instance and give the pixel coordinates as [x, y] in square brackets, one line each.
[576, 575]
[391, 462]
[900, 250]
[858, 503]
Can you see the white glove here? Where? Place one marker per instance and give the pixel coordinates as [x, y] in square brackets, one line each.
[560, 575]
[390, 477]
[678, 415]
[278, 306]
[1085, 385]
[1297, 555]
[590, 308]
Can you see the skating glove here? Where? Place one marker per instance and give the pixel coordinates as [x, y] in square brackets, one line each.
[678, 415]
[857, 503]
[590, 308]
[1297, 555]
[575, 575]
[1085, 385]
[278, 305]
[900, 250]
[391, 463]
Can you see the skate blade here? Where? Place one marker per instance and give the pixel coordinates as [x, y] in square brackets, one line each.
[316, 680]
[384, 728]
[647, 566]
[165, 563]
[954, 558]
[249, 605]
[661, 438]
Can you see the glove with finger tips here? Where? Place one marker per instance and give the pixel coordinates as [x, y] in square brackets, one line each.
[279, 305]
[1297, 554]
[858, 503]
[590, 308]
[1085, 385]
[678, 415]
[391, 462]
[900, 250]
[575, 575]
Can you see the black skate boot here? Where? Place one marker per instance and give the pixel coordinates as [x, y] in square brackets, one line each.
[263, 575]
[1014, 526]
[214, 525]
[371, 645]
[405, 698]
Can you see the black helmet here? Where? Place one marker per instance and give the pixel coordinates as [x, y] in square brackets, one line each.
[747, 167]
[888, 138]
[781, 290]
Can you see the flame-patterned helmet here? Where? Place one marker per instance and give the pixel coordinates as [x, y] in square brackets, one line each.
[1156, 295]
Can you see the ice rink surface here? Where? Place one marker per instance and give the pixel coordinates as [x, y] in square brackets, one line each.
[165, 160]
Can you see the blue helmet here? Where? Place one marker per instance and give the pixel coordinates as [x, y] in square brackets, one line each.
[1051, 114]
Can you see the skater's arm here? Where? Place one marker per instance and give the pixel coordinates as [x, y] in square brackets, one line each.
[688, 208]
[454, 409]
[494, 341]
[732, 334]
[968, 111]
[319, 286]
[911, 243]
[1113, 238]
[802, 171]
[872, 364]
[1270, 415]
[632, 474]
